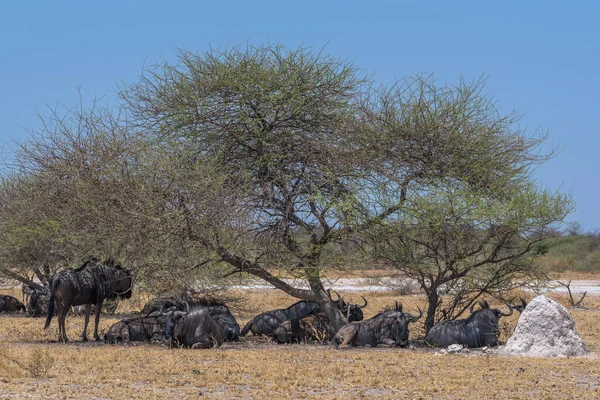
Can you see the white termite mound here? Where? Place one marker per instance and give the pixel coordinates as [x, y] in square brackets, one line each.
[545, 329]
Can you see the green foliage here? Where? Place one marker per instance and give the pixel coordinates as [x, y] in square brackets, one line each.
[573, 253]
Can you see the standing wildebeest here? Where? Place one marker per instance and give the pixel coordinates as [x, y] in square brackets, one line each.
[219, 312]
[478, 330]
[88, 284]
[138, 329]
[193, 328]
[389, 327]
[10, 304]
[266, 323]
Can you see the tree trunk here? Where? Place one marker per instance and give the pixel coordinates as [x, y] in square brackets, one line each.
[432, 303]
[334, 315]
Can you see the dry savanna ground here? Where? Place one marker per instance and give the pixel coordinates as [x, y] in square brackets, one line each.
[33, 365]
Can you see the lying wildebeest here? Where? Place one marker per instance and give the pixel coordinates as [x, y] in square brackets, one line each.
[219, 312]
[37, 303]
[389, 328]
[266, 323]
[478, 330]
[314, 327]
[145, 328]
[108, 308]
[193, 328]
[92, 283]
[10, 304]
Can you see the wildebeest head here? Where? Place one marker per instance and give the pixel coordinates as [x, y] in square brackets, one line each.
[352, 312]
[398, 323]
[519, 307]
[121, 281]
[173, 317]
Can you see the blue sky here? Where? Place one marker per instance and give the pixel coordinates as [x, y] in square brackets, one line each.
[542, 58]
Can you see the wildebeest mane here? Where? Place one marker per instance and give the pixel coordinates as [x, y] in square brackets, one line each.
[396, 307]
[92, 261]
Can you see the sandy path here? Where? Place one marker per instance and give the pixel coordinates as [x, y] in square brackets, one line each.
[592, 287]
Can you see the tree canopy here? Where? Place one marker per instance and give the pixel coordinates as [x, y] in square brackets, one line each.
[263, 159]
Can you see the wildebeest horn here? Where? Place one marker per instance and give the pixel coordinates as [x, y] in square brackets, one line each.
[364, 305]
[413, 318]
[509, 314]
[337, 294]
[162, 309]
[523, 302]
[187, 307]
[472, 307]
[398, 306]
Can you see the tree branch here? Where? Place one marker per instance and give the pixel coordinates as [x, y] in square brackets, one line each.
[244, 265]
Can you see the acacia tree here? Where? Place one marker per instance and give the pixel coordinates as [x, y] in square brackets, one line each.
[268, 157]
[462, 244]
[87, 185]
[315, 154]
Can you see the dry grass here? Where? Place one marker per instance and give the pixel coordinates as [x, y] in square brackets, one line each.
[255, 368]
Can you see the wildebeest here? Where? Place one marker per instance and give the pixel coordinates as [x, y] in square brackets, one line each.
[108, 308]
[92, 283]
[144, 328]
[266, 322]
[10, 304]
[193, 328]
[314, 327]
[478, 330]
[37, 303]
[219, 312]
[389, 328]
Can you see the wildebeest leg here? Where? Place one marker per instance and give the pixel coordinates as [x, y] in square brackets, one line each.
[204, 342]
[58, 314]
[98, 310]
[88, 309]
[347, 340]
[388, 342]
[62, 331]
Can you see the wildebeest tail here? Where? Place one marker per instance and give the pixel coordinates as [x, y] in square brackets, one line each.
[247, 327]
[295, 325]
[51, 303]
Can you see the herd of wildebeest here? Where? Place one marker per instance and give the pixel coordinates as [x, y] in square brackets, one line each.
[205, 324]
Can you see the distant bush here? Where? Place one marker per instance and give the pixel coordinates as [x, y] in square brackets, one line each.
[575, 252]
